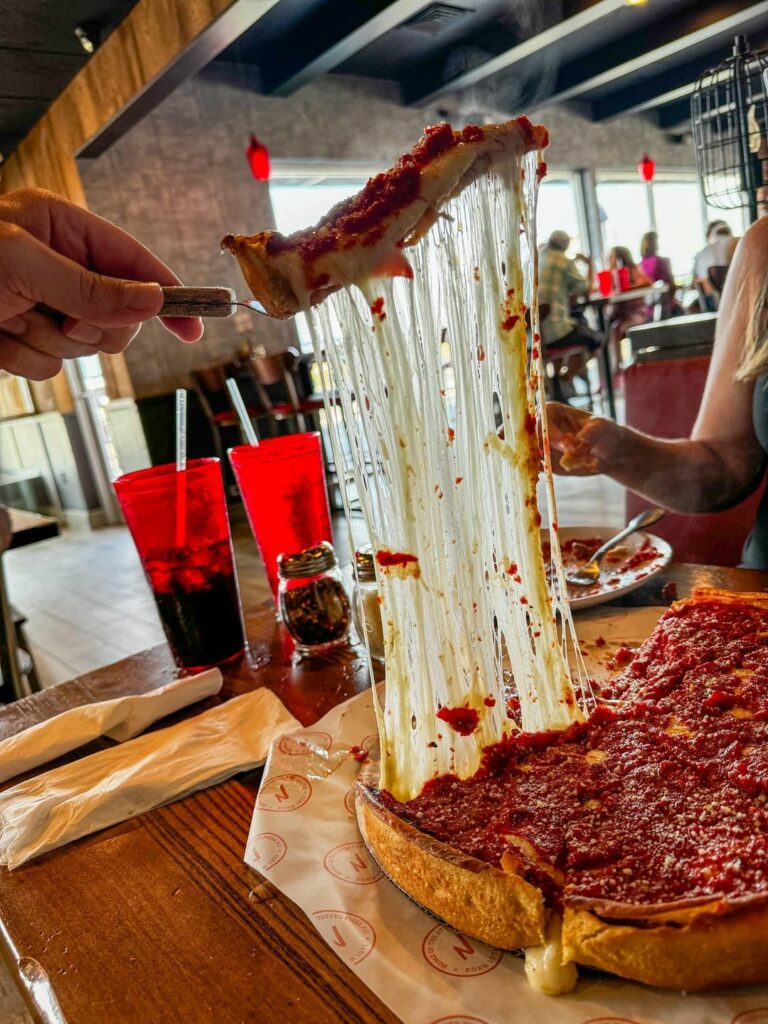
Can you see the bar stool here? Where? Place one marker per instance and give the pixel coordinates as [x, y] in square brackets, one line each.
[281, 368]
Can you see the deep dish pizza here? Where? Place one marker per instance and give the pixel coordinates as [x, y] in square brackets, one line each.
[645, 827]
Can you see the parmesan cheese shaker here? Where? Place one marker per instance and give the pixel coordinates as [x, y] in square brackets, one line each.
[365, 604]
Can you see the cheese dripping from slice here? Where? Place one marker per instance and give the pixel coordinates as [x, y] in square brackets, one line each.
[544, 967]
[427, 371]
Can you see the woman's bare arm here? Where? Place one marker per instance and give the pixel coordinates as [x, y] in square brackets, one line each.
[722, 461]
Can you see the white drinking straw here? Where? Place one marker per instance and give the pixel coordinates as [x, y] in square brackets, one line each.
[181, 465]
[181, 429]
[242, 412]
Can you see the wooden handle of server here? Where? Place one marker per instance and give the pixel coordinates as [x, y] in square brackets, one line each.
[178, 302]
[197, 302]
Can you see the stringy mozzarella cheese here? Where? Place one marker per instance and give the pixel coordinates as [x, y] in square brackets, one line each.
[427, 371]
[544, 967]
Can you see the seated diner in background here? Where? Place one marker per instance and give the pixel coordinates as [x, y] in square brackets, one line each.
[711, 264]
[724, 459]
[623, 315]
[658, 268]
[560, 281]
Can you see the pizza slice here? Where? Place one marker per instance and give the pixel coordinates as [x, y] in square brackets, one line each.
[364, 236]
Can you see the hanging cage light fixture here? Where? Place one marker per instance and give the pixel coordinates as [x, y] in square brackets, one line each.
[729, 115]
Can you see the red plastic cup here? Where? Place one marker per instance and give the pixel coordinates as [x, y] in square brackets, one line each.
[623, 279]
[179, 525]
[282, 482]
[605, 282]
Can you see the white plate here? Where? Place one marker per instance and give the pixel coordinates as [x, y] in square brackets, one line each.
[628, 579]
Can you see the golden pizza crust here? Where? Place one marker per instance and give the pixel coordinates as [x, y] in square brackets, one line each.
[479, 900]
[700, 950]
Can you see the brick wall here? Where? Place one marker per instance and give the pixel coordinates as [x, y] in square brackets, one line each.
[179, 181]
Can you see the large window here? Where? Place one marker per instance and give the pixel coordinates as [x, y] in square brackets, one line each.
[672, 206]
[300, 198]
[559, 210]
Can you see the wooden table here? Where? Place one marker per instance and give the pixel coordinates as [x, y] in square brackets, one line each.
[158, 919]
[30, 527]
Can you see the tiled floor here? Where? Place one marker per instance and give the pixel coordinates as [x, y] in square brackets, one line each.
[87, 602]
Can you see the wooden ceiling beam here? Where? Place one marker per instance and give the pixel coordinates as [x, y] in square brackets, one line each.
[667, 86]
[421, 90]
[322, 44]
[670, 37]
[676, 114]
[159, 43]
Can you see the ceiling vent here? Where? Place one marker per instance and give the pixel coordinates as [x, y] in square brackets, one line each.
[436, 18]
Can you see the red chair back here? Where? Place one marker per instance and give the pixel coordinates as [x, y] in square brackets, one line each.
[662, 399]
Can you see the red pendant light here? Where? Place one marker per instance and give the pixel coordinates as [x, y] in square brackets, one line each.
[646, 168]
[257, 155]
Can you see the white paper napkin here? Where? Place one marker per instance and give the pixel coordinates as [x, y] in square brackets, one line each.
[113, 785]
[120, 719]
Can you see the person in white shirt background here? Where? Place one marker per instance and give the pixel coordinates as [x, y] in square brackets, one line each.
[718, 252]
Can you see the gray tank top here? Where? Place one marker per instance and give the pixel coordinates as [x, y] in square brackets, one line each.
[755, 554]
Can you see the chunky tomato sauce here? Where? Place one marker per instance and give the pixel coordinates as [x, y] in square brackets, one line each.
[659, 797]
[387, 558]
[359, 219]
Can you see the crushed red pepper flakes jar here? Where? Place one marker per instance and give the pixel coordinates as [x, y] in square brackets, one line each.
[313, 600]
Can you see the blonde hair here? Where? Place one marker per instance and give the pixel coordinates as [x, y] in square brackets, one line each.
[754, 362]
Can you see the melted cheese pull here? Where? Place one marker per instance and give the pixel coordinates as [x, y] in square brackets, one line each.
[426, 371]
[544, 967]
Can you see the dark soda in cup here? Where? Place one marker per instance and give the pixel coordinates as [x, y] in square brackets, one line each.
[180, 527]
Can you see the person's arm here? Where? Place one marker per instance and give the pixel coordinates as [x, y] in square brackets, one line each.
[103, 280]
[722, 461]
[579, 284]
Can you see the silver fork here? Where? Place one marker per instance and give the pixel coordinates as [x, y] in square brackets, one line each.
[589, 574]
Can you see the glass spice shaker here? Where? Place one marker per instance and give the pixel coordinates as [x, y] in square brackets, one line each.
[365, 603]
[313, 601]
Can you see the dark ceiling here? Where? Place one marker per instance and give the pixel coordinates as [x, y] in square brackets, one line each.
[39, 54]
[609, 56]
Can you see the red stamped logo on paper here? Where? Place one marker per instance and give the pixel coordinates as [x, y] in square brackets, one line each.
[759, 1016]
[460, 1020]
[610, 1020]
[349, 801]
[267, 850]
[284, 793]
[351, 862]
[451, 953]
[304, 744]
[350, 935]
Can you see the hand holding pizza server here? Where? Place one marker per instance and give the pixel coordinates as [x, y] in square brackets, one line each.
[107, 283]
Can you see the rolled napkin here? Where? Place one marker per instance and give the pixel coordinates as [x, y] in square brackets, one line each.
[120, 719]
[113, 785]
